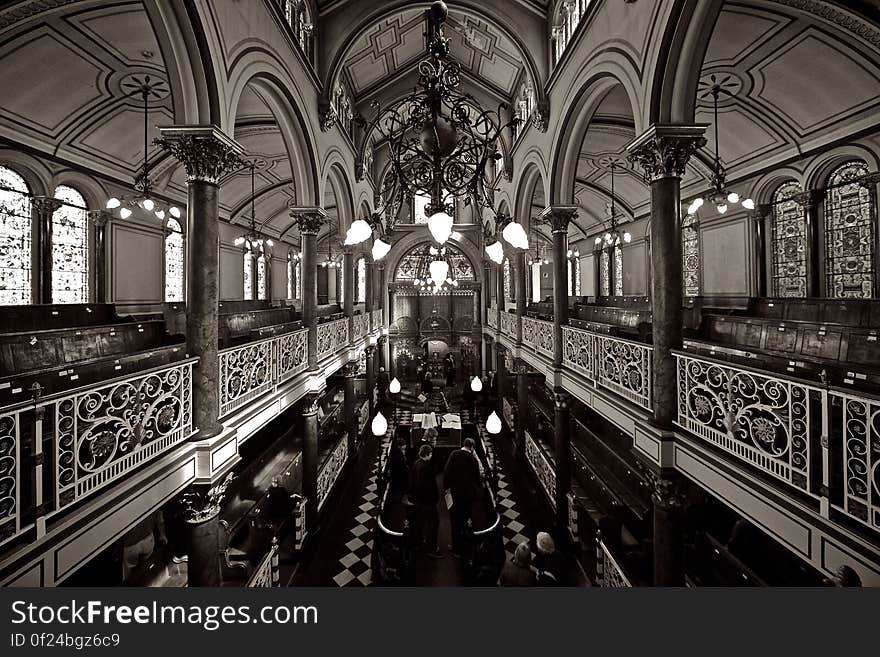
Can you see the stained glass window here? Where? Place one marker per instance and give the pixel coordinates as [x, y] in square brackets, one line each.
[849, 234]
[340, 284]
[290, 275]
[570, 277]
[361, 280]
[420, 202]
[605, 273]
[70, 247]
[618, 270]
[690, 256]
[15, 239]
[507, 295]
[789, 243]
[261, 277]
[248, 264]
[174, 262]
[577, 276]
[297, 270]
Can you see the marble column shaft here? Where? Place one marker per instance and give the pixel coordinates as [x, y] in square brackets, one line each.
[310, 458]
[562, 451]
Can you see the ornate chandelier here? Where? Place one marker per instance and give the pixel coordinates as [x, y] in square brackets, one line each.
[253, 240]
[614, 235]
[721, 197]
[144, 199]
[440, 275]
[440, 140]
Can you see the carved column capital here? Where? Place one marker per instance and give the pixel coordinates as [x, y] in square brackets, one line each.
[45, 205]
[201, 502]
[310, 403]
[309, 220]
[99, 218]
[667, 490]
[541, 115]
[329, 117]
[206, 153]
[664, 150]
[370, 350]
[562, 399]
[809, 199]
[350, 369]
[558, 216]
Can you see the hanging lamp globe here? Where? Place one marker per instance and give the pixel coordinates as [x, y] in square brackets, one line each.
[379, 427]
[493, 424]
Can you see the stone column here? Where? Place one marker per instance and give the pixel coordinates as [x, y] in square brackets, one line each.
[663, 152]
[201, 512]
[759, 219]
[559, 218]
[520, 276]
[310, 458]
[809, 201]
[668, 498]
[206, 154]
[487, 295]
[310, 221]
[499, 293]
[369, 293]
[43, 207]
[99, 219]
[371, 376]
[562, 450]
[348, 291]
[349, 408]
[522, 405]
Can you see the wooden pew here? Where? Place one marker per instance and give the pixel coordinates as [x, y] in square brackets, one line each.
[44, 317]
[632, 323]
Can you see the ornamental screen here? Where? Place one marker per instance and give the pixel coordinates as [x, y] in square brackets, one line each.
[605, 273]
[70, 251]
[789, 243]
[361, 280]
[849, 234]
[173, 260]
[507, 296]
[15, 239]
[690, 256]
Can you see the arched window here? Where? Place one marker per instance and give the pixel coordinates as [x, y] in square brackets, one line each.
[789, 243]
[174, 262]
[570, 276]
[340, 283]
[361, 280]
[297, 270]
[577, 276]
[618, 269]
[15, 239]
[690, 256]
[70, 247]
[506, 274]
[849, 234]
[248, 264]
[262, 278]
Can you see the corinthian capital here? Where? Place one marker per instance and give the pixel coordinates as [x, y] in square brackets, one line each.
[558, 216]
[201, 502]
[309, 219]
[206, 153]
[664, 150]
[45, 205]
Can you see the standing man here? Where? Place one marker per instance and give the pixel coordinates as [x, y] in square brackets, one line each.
[461, 478]
[382, 383]
[423, 488]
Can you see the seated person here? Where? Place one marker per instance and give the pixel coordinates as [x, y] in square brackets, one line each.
[279, 501]
[549, 562]
[518, 570]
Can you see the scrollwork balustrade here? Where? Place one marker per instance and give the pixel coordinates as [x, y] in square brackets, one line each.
[331, 469]
[544, 470]
[332, 336]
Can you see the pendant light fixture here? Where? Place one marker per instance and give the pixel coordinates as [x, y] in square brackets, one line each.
[253, 240]
[613, 235]
[144, 200]
[721, 197]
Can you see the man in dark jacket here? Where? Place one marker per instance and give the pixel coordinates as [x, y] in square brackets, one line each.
[382, 383]
[423, 489]
[461, 478]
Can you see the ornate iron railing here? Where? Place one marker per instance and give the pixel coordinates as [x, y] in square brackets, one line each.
[544, 340]
[252, 370]
[544, 470]
[267, 573]
[528, 331]
[102, 433]
[10, 476]
[376, 319]
[332, 336]
[331, 469]
[508, 324]
[854, 427]
[361, 324]
[622, 366]
[609, 574]
[760, 418]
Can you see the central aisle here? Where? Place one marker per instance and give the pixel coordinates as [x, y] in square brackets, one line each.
[342, 554]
